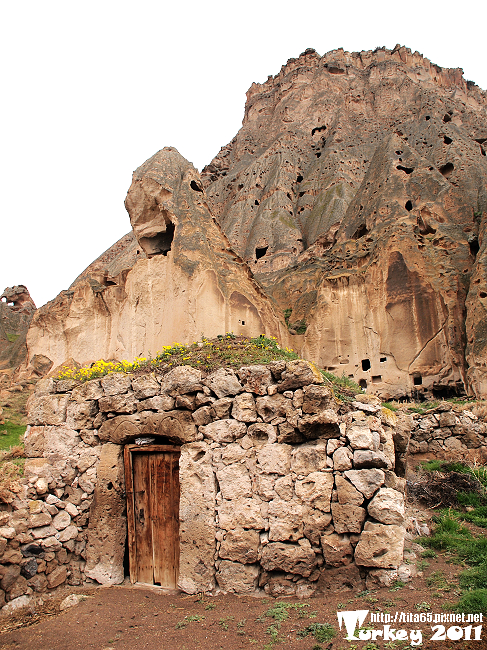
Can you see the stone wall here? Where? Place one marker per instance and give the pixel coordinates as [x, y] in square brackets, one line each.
[448, 433]
[282, 488]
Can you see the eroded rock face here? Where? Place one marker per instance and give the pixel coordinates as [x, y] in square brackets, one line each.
[16, 310]
[355, 190]
[178, 278]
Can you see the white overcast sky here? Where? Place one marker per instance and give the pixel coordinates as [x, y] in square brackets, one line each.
[90, 90]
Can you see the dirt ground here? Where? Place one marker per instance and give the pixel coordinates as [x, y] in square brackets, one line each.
[136, 618]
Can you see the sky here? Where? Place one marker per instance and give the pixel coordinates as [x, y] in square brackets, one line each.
[90, 90]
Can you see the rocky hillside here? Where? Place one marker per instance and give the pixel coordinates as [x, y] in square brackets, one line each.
[346, 217]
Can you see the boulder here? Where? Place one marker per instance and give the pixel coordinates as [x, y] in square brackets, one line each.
[387, 506]
[380, 546]
[291, 558]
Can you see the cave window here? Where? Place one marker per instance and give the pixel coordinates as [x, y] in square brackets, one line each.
[301, 194]
[242, 322]
[299, 179]
[363, 384]
[447, 140]
[256, 202]
[417, 380]
[446, 170]
[376, 379]
[318, 155]
[383, 359]
[365, 364]
[427, 117]
[196, 187]
[409, 206]
[159, 244]
[317, 129]
[447, 118]
[260, 252]
[360, 232]
[407, 170]
[474, 246]
[482, 294]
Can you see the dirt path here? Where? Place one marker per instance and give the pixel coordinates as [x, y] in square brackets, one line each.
[128, 618]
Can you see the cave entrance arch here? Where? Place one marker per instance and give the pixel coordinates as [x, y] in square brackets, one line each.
[152, 487]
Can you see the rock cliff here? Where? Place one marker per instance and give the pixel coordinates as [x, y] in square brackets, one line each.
[347, 217]
[16, 310]
[356, 190]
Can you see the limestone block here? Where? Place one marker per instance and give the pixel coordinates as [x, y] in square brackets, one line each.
[297, 374]
[51, 544]
[87, 459]
[255, 379]
[163, 402]
[204, 415]
[224, 430]
[43, 532]
[234, 481]
[222, 407]
[309, 457]
[321, 425]
[342, 459]
[182, 380]
[317, 399]
[34, 441]
[448, 419]
[197, 518]
[365, 459]
[380, 546]
[38, 520]
[145, 386]
[238, 578]
[71, 509]
[291, 558]
[116, 383]
[10, 574]
[240, 545]
[124, 403]
[285, 521]
[47, 409]
[223, 382]
[90, 437]
[186, 401]
[107, 528]
[367, 408]
[262, 434]
[233, 453]
[363, 438]
[264, 486]
[57, 577]
[347, 518]
[284, 488]
[240, 513]
[61, 520]
[11, 556]
[315, 522]
[367, 481]
[337, 549]
[80, 415]
[453, 444]
[272, 406]
[274, 459]
[38, 582]
[244, 408]
[315, 490]
[387, 442]
[90, 390]
[387, 506]
[347, 493]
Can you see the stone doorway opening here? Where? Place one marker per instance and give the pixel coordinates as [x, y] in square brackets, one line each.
[152, 488]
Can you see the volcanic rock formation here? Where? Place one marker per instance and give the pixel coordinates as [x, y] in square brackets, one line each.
[356, 194]
[176, 279]
[16, 310]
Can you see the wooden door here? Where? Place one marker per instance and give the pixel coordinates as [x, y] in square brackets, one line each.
[152, 485]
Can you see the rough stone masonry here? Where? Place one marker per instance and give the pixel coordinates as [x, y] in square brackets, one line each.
[281, 490]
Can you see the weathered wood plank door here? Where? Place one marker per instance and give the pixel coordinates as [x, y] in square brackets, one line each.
[152, 485]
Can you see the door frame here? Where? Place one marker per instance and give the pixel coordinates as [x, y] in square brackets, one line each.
[129, 450]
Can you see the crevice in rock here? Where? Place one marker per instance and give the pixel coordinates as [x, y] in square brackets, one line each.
[406, 170]
[261, 251]
[197, 188]
[447, 169]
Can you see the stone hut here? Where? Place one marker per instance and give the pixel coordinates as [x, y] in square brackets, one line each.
[246, 481]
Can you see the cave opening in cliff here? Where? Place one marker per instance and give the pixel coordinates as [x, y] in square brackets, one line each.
[159, 244]
[376, 379]
[417, 380]
[474, 246]
[299, 179]
[363, 384]
[365, 364]
[447, 140]
[408, 206]
[194, 186]
[260, 252]
[360, 232]
[406, 170]
[383, 359]
[446, 170]
[317, 129]
[447, 118]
